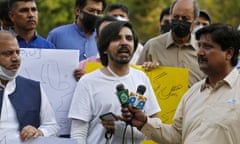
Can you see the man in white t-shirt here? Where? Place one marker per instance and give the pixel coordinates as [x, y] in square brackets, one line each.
[95, 92]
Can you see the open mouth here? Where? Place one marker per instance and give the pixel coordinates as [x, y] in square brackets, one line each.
[124, 53]
[202, 60]
[124, 50]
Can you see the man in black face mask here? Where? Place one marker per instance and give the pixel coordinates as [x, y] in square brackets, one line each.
[177, 48]
[88, 21]
[80, 35]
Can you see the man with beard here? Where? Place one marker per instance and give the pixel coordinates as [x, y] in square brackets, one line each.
[177, 48]
[24, 107]
[95, 93]
[209, 111]
[24, 16]
[80, 35]
[121, 12]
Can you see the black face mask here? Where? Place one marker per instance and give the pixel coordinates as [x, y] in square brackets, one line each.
[180, 28]
[165, 28]
[89, 21]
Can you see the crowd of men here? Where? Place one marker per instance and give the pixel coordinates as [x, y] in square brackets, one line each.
[207, 113]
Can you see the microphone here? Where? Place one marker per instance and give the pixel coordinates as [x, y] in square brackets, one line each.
[122, 94]
[137, 99]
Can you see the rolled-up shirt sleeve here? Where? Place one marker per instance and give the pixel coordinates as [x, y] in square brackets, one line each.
[155, 130]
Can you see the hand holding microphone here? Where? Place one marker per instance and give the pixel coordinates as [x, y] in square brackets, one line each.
[132, 105]
[136, 116]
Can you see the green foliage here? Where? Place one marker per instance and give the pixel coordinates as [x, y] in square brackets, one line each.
[144, 14]
[53, 13]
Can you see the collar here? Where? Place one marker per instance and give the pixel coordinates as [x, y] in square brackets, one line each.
[1, 85]
[81, 32]
[21, 38]
[170, 42]
[230, 80]
[10, 87]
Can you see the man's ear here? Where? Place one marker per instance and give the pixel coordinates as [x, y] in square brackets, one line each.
[11, 15]
[229, 53]
[77, 11]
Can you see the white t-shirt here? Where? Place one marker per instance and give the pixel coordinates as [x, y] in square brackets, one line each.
[95, 95]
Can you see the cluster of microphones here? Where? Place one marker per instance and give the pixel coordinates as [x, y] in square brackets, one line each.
[135, 99]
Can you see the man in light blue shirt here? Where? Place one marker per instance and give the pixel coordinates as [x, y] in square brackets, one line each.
[72, 37]
[80, 35]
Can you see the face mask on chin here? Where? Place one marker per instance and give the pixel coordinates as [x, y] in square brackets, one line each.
[7, 74]
[180, 28]
[121, 18]
[89, 21]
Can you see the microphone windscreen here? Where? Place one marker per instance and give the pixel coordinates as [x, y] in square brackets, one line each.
[120, 87]
[122, 94]
[141, 89]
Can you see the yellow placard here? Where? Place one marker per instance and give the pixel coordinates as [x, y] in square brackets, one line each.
[91, 66]
[169, 85]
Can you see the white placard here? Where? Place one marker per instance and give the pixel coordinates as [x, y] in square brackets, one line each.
[54, 69]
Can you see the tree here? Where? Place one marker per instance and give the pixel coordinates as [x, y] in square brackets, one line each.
[53, 13]
[144, 14]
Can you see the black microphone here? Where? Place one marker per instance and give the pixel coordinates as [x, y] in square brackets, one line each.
[137, 99]
[122, 94]
[141, 89]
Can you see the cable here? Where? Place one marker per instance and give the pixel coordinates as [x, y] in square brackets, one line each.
[108, 136]
[124, 133]
[132, 134]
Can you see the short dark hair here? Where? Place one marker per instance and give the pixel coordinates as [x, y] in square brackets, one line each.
[82, 3]
[205, 15]
[13, 2]
[4, 9]
[104, 19]
[165, 11]
[224, 35]
[121, 6]
[108, 34]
